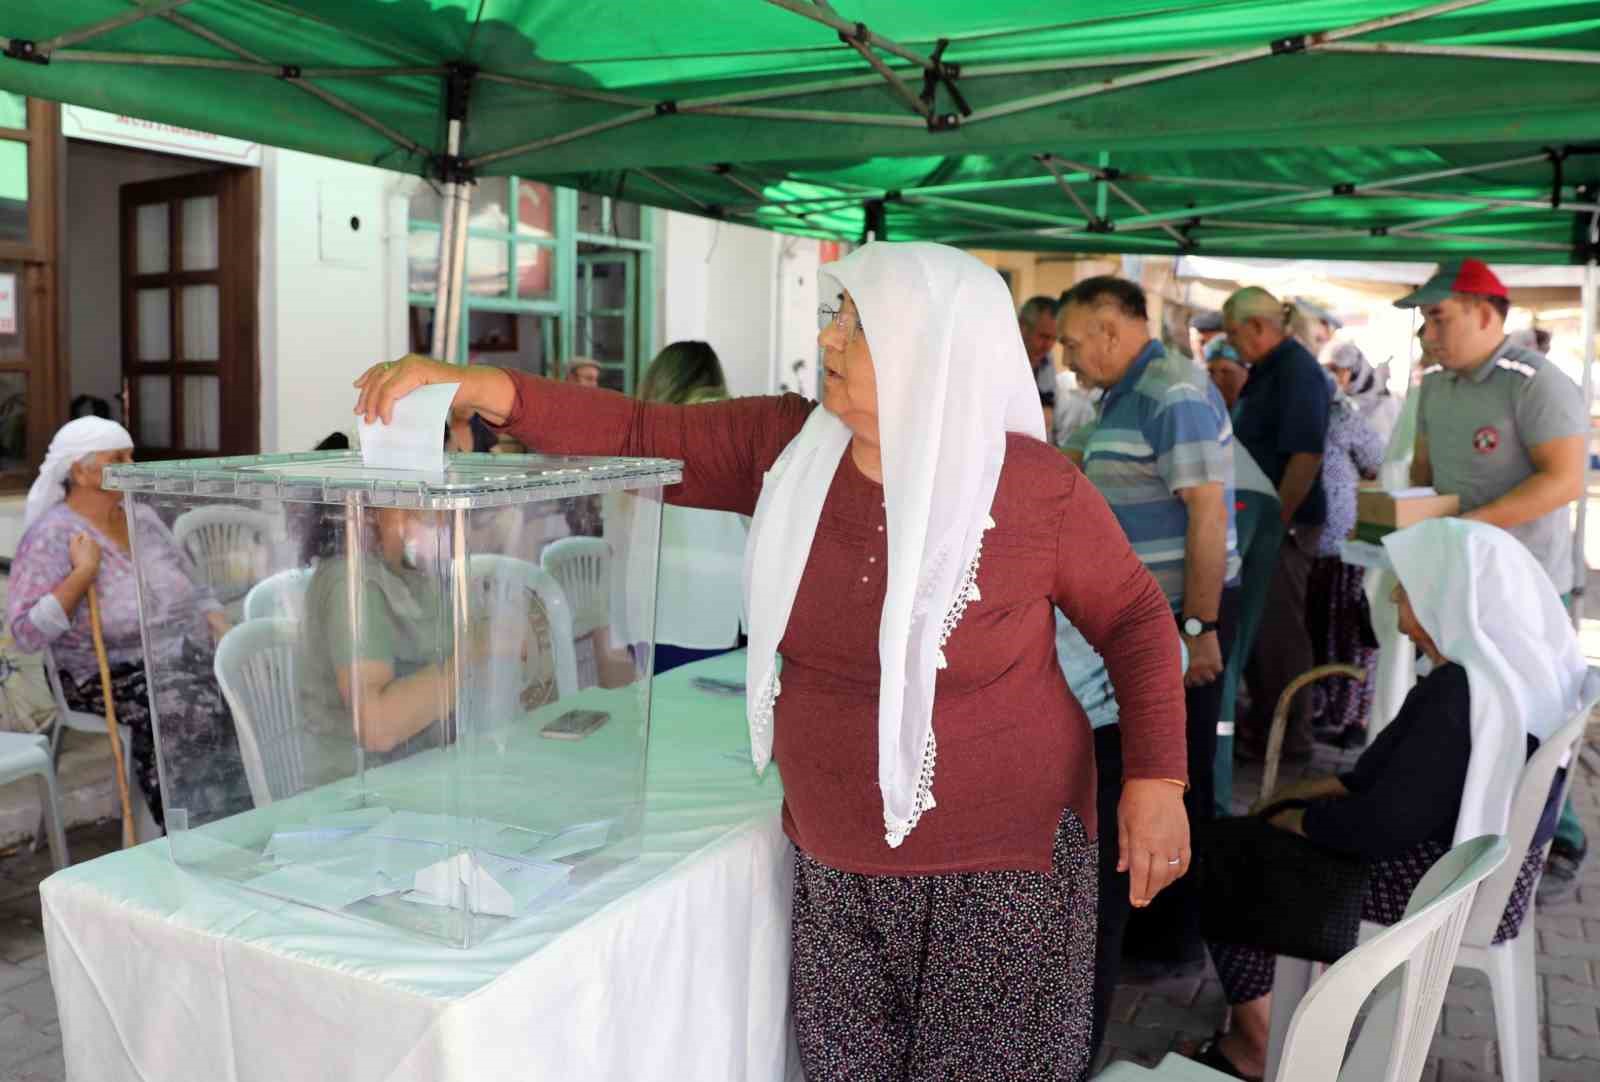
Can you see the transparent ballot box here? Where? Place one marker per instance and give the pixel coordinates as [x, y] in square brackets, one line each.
[420, 700]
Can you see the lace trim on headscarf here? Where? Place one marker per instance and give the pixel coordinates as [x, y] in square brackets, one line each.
[895, 831]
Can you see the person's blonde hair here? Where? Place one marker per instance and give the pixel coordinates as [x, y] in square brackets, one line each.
[684, 373]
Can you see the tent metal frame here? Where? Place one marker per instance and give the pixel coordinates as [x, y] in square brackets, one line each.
[914, 109]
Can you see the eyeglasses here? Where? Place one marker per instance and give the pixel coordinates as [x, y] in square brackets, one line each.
[848, 322]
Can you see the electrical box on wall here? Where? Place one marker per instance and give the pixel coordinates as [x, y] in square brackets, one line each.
[348, 221]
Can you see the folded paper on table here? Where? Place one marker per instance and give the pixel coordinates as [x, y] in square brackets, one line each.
[486, 883]
[578, 839]
[313, 886]
[414, 439]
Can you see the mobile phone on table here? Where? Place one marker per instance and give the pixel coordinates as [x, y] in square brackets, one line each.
[575, 724]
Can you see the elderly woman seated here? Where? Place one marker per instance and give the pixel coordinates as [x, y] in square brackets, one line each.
[76, 538]
[1446, 768]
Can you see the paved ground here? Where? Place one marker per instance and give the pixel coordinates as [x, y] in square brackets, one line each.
[1148, 1019]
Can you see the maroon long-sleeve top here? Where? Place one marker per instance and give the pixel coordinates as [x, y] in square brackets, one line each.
[1014, 745]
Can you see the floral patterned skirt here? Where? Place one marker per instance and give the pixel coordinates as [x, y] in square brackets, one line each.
[966, 975]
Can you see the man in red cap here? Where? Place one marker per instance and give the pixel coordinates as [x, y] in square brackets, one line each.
[1507, 431]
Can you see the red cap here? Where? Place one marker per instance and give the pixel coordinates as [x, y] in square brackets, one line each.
[1455, 276]
[1476, 277]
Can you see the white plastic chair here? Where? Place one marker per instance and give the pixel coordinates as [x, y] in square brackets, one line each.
[1509, 965]
[95, 725]
[230, 545]
[279, 596]
[582, 565]
[255, 666]
[24, 755]
[1408, 965]
[510, 579]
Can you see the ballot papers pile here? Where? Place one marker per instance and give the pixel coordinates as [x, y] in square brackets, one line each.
[340, 859]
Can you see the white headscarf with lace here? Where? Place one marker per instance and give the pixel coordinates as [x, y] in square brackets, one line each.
[1491, 608]
[952, 380]
[75, 440]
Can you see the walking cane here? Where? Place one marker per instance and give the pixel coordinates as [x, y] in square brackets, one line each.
[111, 718]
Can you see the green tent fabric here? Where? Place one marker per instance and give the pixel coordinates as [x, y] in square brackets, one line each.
[742, 108]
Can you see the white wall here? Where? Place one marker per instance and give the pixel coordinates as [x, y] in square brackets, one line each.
[749, 293]
[94, 175]
[332, 297]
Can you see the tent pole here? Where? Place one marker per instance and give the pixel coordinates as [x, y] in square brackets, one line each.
[1464, 52]
[326, 97]
[458, 274]
[445, 275]
[1580, 562]
[668, 186]
[565, 137]
[1049, 163]
[827, 17]
[105, 26]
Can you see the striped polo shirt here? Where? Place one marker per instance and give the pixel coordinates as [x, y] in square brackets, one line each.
[1161, 429]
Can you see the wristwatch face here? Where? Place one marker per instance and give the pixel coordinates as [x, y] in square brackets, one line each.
[1192, 627]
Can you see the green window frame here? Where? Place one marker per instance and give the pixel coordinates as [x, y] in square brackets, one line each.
[569, 309]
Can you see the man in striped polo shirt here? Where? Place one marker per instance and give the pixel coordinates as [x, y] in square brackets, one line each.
[1160, 452]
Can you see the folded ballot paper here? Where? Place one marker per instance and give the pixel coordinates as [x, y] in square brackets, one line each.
[485, 883]
[341, 858]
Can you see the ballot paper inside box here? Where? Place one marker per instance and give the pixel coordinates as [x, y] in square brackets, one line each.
[430, 709]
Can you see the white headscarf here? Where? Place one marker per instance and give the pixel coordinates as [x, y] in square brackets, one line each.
[75, 440]
[1493, 610]
[952, 380]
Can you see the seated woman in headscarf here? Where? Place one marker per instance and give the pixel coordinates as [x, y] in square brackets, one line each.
[911, 541]
[1446, 768]
[76, 537]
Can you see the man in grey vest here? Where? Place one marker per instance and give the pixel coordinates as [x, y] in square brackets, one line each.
[1507, 431]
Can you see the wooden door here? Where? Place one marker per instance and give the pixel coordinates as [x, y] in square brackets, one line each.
[189, 344]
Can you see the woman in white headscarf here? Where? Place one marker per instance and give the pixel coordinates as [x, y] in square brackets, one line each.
[1507, 672]
[1366, 386]
[911, 540]
[76, 537]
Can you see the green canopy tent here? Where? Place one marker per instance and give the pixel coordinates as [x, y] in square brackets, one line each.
[1353, 128]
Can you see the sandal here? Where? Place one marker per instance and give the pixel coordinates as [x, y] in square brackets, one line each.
[1210, 1054]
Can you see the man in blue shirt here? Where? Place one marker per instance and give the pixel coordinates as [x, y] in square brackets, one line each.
[1161, 453]
[1282, 420]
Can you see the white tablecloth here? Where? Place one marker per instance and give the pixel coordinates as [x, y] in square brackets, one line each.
[673, 967]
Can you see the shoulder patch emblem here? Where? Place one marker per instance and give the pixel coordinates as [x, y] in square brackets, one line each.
[1527, 371]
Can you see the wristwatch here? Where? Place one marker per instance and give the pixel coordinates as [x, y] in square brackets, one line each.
[1193, 627]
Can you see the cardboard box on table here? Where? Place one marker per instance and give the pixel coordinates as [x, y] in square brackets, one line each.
[1379, 513]
[436, 702]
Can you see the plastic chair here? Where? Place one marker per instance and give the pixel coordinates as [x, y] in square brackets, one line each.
[255, 666]
[1407, 965]
[95, 725]
[25, 755]
[582, 565]
[280, 595]
[229, 545]
[1280, 716]
[1508, 965]
[510, 580]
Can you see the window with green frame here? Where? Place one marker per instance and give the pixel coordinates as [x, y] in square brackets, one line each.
[552, 274]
